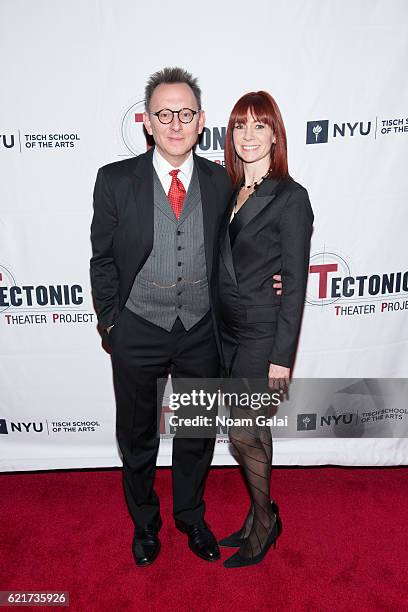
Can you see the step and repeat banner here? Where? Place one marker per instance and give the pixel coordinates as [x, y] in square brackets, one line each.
[73, 77]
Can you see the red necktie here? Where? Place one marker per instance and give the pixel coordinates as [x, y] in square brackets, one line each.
[177, 193]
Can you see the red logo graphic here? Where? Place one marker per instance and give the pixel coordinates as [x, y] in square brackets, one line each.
[321, 270]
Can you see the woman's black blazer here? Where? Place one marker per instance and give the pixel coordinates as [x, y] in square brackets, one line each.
[274, 237]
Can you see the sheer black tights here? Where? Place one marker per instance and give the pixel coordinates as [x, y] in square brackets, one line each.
[253, 445]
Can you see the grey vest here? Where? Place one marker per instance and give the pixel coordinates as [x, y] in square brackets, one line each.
[173, 281]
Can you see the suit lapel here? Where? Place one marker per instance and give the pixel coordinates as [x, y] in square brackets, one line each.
[226, 254]
[266, 193]
[192, 197]
[142, 218]
[209, 205]
[225, 246]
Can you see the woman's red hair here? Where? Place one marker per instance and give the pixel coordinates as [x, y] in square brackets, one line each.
[263, 108]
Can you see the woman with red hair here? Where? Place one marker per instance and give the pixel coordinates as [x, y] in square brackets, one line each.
[267, 231]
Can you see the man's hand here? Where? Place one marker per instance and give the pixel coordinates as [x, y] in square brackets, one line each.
[278, 377]
[278, 284]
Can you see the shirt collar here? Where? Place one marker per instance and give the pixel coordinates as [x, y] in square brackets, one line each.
[163, 167]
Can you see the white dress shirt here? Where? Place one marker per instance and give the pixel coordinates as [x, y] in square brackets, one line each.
[163, 168]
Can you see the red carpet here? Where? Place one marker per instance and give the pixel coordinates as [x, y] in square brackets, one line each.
[343, 546]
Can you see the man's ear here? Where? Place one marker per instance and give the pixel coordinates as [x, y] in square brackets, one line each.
[201, 121]
[147, 124]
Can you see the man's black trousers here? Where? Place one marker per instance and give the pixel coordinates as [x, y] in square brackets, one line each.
[142, 353]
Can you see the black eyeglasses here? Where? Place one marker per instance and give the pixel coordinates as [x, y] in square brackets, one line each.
[166, 115]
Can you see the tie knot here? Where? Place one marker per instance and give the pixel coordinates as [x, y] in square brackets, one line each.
[174, 173]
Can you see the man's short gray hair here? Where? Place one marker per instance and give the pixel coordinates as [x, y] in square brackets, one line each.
[171, 75]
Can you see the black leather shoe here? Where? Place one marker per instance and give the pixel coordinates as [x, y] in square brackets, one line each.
[235, 539]
[201, 540]
[146, 544]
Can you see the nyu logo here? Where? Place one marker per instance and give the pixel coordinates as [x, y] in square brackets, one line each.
[7, 141]
[20, 427]
[345, 419]
[3, 426]
[317, 132]
[306, 422]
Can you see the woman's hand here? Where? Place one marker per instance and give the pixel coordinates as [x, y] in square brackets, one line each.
[277, 285]
[278, 377]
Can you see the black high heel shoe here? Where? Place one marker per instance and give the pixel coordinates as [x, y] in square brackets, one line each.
[235, 539]
[237, 561]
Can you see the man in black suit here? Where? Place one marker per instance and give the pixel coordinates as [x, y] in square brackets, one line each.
[153, 274]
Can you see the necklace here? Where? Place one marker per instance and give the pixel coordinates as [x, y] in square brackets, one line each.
[255, 186]
[256, 183]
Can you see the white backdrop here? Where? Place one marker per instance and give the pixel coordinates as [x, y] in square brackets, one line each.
[73, 78]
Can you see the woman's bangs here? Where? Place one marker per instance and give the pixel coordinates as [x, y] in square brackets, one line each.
[257, 106]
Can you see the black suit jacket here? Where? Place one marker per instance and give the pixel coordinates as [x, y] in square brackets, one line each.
[122, 227]
[274, 238]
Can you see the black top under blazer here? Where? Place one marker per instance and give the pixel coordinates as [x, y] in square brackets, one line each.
[270, 235]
